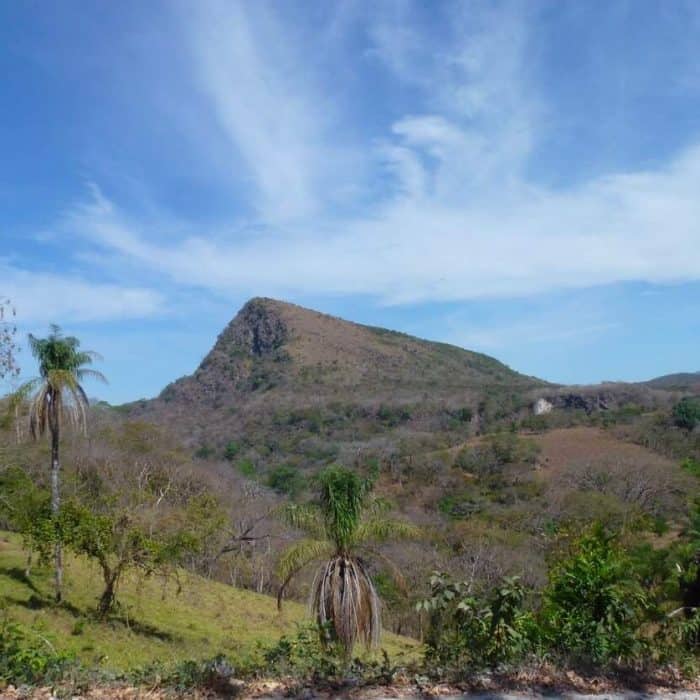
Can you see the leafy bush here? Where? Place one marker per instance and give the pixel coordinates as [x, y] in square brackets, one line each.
[204, 452]
[692, 466]
[686, 413]
[489, 458]
[231, 450]
[306, 655]
[246, 467]
[467, 632]
[393, 415]
[286, 479]
[214, 676]
[592, 606]
[27, 657]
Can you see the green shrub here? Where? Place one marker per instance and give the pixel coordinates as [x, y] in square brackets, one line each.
[204, 452]
[246, 467]
[592, 606]
[686, 413]
[286, 479]
[231, 450]
[27, 657]
[692, 466]
[467, 632]
[214, 676]
[305, 655]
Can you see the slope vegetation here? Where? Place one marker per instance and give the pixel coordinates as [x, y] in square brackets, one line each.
[156, 623]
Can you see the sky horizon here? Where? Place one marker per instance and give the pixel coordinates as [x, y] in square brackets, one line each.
[516, 178]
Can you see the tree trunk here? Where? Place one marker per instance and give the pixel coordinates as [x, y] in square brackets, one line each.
[108, 594]
[56, 502]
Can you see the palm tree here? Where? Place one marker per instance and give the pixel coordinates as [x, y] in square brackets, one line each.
[345, 524]
[55, 396]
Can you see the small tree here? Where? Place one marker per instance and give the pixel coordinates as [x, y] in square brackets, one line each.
[344, 524]
[120, 542]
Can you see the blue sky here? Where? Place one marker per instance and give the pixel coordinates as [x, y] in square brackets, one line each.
[520, 178]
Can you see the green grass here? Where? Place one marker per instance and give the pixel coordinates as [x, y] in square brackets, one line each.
[154, 623]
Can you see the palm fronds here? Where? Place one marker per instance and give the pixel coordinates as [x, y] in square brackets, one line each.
[299, 555]
[345, 603]
[343, 495]
[303, 517]
[378, 529]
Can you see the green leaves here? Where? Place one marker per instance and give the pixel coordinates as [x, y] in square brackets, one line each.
[301, 553]
[467, 631]
[592, 607]
[343, 495]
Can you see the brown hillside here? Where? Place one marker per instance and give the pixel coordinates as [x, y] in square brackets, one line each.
[335, 376]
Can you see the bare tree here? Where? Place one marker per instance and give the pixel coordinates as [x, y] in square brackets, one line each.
[8, 345]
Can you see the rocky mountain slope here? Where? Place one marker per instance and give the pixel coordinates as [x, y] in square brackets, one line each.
[280, 365]
[287, 383]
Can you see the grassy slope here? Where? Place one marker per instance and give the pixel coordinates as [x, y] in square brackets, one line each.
[156, 624]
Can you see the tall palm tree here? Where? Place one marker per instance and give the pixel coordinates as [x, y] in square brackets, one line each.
[56, 396]
[342, 528]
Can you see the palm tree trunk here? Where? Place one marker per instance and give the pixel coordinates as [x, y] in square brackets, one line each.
[55, 509]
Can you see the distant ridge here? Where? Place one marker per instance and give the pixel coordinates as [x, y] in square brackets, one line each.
[681, 381]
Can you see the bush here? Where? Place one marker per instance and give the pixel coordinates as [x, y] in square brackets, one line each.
[494, 453]
[214, 676]
[468, 633]
[692, 466]
[246, 467]
[231, 450]
[592, 606]
[27, 657]
[204, 452]
[686, 413]
[286, 479]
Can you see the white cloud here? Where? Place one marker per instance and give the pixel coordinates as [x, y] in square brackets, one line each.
[457, 218]
[46, 298]
[639, 226]
[264, 102]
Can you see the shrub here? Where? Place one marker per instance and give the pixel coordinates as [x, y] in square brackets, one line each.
[592, 607]
[231, 450]
[204, 452]
[286, 479]
[27, 657]
[467, 632]
[246, 467]
[686, 413]
[692, 466]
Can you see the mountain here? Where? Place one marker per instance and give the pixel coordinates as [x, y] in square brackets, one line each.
[682, 381]
[292, 372]
[285, 384]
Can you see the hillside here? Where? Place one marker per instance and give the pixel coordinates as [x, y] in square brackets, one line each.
[681, 381]
[155, 622]
[288, 385]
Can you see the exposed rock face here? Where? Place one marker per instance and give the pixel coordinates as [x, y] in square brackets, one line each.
[541, 407]
[257, 330]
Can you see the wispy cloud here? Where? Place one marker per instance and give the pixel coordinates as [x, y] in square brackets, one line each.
[45, 298]
[455, 214]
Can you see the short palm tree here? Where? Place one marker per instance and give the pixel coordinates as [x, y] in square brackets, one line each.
[342, 528]
[56, 396]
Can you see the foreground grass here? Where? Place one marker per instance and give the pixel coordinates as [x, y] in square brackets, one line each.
[155, 623]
